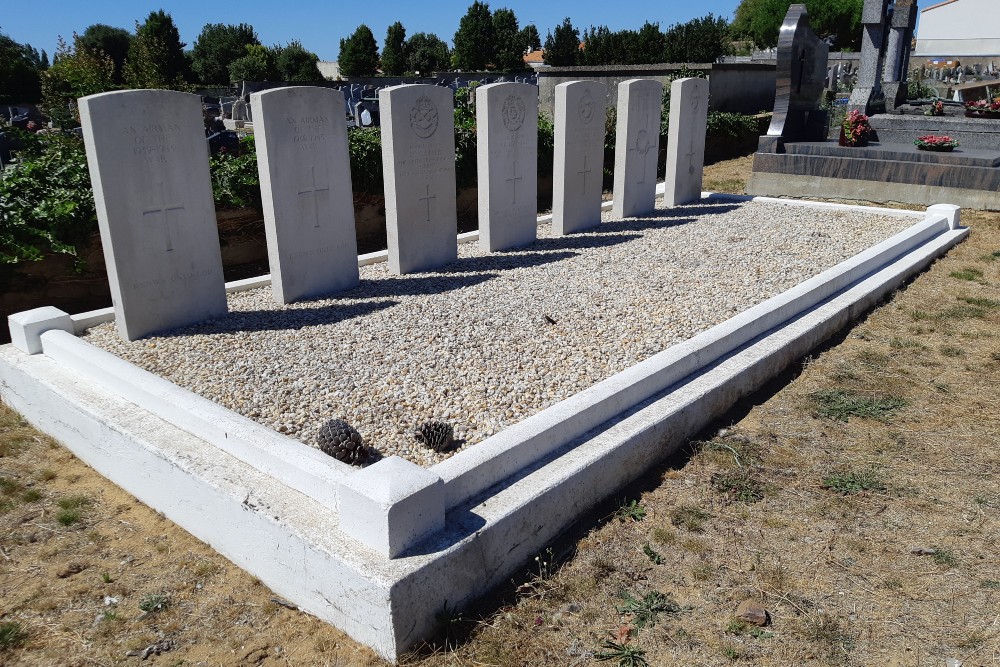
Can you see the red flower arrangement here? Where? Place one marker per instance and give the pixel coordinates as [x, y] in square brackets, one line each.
[855, 130]
[931, 142]
[983, 108]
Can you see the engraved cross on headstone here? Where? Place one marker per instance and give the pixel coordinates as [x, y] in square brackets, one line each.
[514, 178]
[165, 209]
[583, 172]
[802, 70]
[312, 190]
[428, 199]
[642, 146]
[690, 156]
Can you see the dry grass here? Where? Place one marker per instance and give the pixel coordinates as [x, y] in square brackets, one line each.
[857, 503]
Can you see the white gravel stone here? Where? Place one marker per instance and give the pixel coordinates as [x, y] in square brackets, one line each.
[494, 338]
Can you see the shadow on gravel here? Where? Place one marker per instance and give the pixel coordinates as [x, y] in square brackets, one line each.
[282, 320]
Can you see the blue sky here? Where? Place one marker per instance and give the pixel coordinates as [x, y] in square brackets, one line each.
[320, 24]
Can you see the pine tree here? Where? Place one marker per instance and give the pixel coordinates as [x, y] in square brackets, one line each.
[394, 50]
[509, 53]
[562, 48]
[474, 41]
[359, 53]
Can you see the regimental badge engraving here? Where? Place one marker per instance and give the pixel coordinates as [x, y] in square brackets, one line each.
[586, 107]
[424, 117]
[512, 113]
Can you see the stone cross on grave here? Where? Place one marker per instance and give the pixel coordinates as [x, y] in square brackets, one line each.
[514, 178]
[312, 190]
[164, 210]
[428, 199]
[583, 172]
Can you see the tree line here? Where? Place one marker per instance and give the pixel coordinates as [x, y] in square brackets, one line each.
[105, 58]
[153, 56]
[493, 41]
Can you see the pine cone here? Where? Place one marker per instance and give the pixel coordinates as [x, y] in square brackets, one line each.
[436, 434]
[339, 439]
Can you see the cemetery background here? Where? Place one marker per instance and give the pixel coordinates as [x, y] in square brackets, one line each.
[838, 528]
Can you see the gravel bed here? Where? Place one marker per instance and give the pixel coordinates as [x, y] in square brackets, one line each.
[494, 338]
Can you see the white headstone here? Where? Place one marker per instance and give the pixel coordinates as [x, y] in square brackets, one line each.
[148, 163]
[578, 177]
[686, 140]
[305, 186]
[637, 143]
[418, 165]
[507, 159]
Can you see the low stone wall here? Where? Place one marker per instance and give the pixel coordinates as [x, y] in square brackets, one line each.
[740, 87]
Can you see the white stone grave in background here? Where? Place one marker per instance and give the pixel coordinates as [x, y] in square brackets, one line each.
[686, 141]
[637, 143]
[305, 186]
[578, 177]
[418, 165]
[148, 163]
[507, 162]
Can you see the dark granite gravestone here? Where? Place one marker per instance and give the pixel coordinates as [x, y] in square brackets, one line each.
[802, 60]
[792, 160]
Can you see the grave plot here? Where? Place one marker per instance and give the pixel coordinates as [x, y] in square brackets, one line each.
[492, 339]
[555, 359]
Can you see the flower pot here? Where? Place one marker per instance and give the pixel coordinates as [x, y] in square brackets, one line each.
[936, 149]
[859, 143]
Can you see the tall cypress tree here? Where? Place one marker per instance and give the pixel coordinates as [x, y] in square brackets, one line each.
[394, 50]
[475, 41]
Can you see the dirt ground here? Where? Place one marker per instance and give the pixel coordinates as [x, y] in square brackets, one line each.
[853, 503]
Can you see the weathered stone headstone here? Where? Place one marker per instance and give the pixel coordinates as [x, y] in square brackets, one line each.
[637, 144]
[305, 184]
[577, 181]
[869, 87]
[686, 141]
[897, 54]
[418, 165]
[802, 60]
[507, 161]
[148, 164]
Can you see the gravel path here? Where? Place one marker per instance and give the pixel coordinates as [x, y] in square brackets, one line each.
[492, 339]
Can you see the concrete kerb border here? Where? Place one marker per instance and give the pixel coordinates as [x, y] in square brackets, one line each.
[480, 528]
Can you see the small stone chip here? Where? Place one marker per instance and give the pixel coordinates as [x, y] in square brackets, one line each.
[751, 611]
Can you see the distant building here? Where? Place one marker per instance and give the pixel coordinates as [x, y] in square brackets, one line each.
[535, 59]
[960, 28]
[329, 69]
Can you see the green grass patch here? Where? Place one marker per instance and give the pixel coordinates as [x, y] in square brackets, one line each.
[980, 302]
[968, 273]
[944, 557]
[645, 611]
[739, 486]
[906, 344]
[991, 584]
[8, 486]
[689, 517]
[31, 495]
[952, 351]
[852, 482]
[841, 404]
[12, 635]
[68, 517]
[962, 312]
[631, 511]
[154, 602]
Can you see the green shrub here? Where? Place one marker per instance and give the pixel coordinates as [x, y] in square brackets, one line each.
[46, 203]
[235, 181]
[365, 147]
